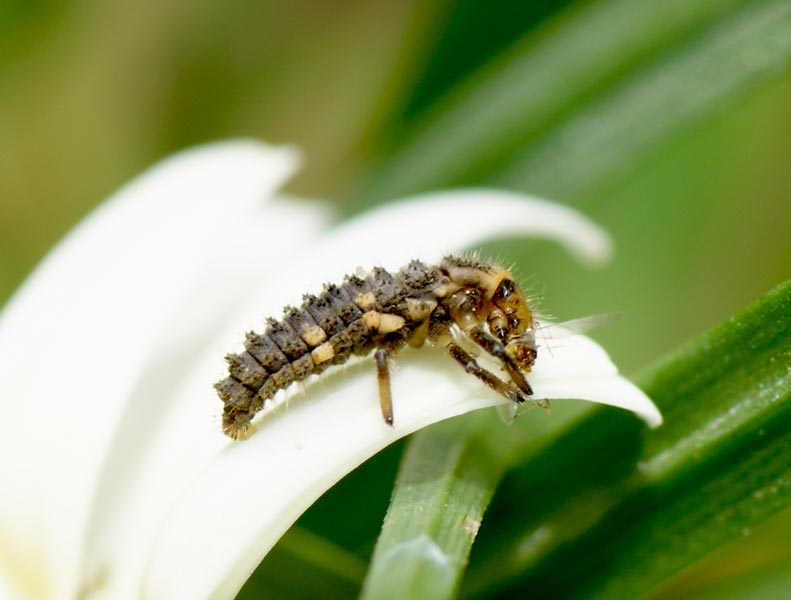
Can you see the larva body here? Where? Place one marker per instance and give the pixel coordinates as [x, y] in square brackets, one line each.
[383, 312]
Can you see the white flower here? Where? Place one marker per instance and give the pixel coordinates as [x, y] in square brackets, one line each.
[116, 479]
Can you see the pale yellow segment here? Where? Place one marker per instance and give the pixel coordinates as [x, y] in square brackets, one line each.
[389, 323]
[467, 322]
[314, 335]
[487, 279]
[322, 353]
[366, 301]
[372, 319]
[383, 322]
[420, 308]
[445, 290]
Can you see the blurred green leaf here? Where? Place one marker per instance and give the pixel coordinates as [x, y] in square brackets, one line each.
[761, 584]
[578, 101]
[601, 139]
[471, 34]
[748, 567]
[20, 22]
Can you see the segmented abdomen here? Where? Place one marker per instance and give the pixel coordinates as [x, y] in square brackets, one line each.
[324, 331]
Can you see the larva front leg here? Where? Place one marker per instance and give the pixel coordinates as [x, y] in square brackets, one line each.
[509, 390]
[497, 349]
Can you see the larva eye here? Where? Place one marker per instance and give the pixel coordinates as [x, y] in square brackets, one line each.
[510, 301]
[504, 290]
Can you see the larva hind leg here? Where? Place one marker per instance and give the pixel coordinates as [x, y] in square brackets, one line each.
[383, 380]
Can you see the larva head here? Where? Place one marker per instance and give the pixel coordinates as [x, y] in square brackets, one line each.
[510, 315]
[511, 320]
[505, 308]
[480, 292]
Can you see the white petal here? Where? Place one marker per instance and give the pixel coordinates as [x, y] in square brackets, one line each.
[251, 492]
[241, 498]
[150, 459]
[139, 286]
[431, 225]
[577, 367]
[424, 227]
[78, 332]
[612, 390]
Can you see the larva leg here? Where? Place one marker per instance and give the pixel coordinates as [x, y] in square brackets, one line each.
[508, 390]
[383, 379]
[497, 349]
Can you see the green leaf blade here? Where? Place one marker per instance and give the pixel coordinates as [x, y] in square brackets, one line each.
[444, 486]
[574, 104]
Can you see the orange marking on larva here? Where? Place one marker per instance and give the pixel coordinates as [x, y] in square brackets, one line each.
[366, 300]
[314, 336]
[323, 353]
[389, 323]
[372, 320]
[419, 308]
[486, 279]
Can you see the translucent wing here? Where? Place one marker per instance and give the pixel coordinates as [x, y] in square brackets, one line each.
[575, 326]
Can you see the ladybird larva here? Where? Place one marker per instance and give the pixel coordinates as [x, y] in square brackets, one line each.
[382, 312]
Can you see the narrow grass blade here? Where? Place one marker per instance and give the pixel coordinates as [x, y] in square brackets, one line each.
[444, 486]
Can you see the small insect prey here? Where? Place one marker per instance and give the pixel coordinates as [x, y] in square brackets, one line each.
[383, 312]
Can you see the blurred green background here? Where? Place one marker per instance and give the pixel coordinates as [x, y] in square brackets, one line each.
[668, 125]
